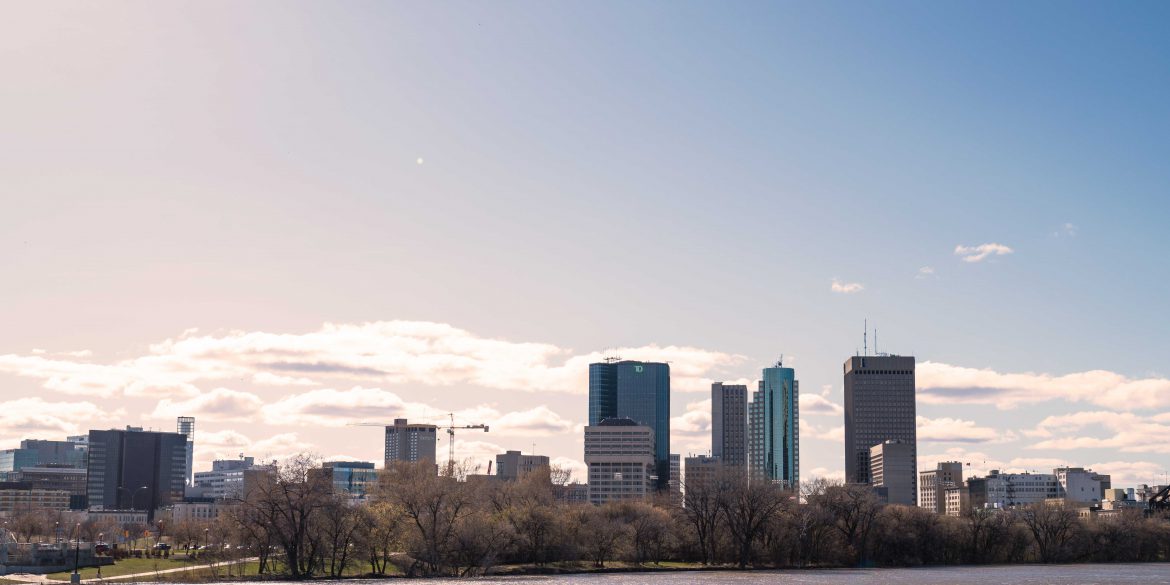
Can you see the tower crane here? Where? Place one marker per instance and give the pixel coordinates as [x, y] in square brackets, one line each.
[450, 428]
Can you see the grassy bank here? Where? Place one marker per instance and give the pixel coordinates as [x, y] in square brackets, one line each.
[195, 570]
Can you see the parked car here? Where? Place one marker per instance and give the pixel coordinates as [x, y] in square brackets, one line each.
[162, 546]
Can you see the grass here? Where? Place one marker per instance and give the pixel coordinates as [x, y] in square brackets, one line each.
[132, 566]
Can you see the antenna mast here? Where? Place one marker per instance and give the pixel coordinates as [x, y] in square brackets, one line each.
[865, 337]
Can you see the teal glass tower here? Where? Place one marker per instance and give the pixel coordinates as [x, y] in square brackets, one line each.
[639, 391]
[780, 418]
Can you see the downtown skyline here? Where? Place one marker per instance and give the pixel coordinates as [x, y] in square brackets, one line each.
[357, 215]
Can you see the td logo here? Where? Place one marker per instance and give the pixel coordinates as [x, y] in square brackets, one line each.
[638, 369]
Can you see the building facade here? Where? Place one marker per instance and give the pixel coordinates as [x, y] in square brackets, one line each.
[410, 442]
[729, 423]
[1081, 486]
[352, 478]
[185, 426]
[17, 497]
[135, 470]
[781, 427]
[892, 467]
[879, 406]
[639, 391]
[756, 435]
[225, 481]
[932, 482]
[40, 453]
[620, 455]
[701, 469]
[512, 465]
[1004, 490]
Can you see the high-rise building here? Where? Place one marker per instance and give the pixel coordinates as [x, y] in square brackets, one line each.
[729, 418]
[932, 484]
[410, 442]
[512, 465]
[186, 427]
[675, 474]
[135, 470]
[756, 435]
[879, 407]
[620, 455]
[780, 425]
[639, 391]
[891, 468]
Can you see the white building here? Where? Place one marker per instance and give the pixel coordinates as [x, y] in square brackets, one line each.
[892, 466]
[620, 456]
[1081, 486]
[195, 511]
[932, 483]
[226, 478]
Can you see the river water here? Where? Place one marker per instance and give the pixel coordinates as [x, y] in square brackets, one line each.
[998, 575]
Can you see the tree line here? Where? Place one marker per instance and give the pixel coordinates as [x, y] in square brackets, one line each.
[422, 524]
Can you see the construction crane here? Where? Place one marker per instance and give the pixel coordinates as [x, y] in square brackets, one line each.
[450, 435]
[451, 440]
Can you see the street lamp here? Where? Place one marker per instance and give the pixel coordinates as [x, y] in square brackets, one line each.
[133, 495]
[75, 578]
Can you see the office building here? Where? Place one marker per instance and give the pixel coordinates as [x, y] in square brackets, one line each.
[729, 423]
[512, 465]
[410, 442]
[225, 481]
[620, 454]
[675, 484]
[956, 499]
[879, 407]
[1081, 486]
[701, 469]
[353, 478]
[39, 453]
[135, 470]
[1005, 490]
[892, 465]
[67, 479]
[186, 427]
[780, 427]
[932, 482]
[18, 497]
[639, 391]
[756, 435]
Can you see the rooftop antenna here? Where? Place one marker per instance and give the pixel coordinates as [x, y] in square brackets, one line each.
[780, 362]
[865, 337]
[875, 347]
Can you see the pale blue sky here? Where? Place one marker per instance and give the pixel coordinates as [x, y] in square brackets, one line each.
[596, 175]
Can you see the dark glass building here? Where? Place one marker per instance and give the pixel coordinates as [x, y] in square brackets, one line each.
[639, 391]
[135, 469]
[879, 407]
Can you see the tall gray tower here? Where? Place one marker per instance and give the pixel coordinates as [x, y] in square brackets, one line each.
[186, 426]
[879, 407]
[729, 423]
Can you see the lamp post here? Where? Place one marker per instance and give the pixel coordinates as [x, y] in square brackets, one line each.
[75, 578]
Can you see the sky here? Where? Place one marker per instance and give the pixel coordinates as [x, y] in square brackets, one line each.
[284, 218]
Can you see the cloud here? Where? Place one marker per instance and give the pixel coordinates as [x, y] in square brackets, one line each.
[384, 352]
[925, 272]
[328, 407]
[690, 433]
[33, 418]
[824, 473]
[981, 252]
[220, 404]
[230, 444]
[818, 404]
[953, 430]
[1117, 431]
[946, 384]
[811, 431]
[580, 471]
[846, 288]
[1066, 230]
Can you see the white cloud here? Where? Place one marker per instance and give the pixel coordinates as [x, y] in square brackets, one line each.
[925, 272]
[1066, 230]
[946, 384]
[824, 473]
[818, 404]
[953, 430]
[388, 352]
[811, 431]
[230, 444]
[846, 288]
[580, 471]
[981, 252]
[690, 433]
[220, 404]
[1117, 431]
[36, 418]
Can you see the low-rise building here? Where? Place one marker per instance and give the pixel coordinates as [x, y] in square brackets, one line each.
[512, 465]
[933, 482]
[225, 481]
[18, 497]
[892, 467]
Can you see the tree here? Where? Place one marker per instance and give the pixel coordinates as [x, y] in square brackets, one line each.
[282, 504]
[703, 512]
[432, 506]
[853, 508]
[748, 507]
[1053, 526]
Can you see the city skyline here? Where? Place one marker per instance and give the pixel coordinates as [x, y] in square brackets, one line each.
[357, 215]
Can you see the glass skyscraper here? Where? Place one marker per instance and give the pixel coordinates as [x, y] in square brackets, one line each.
[639, 391]
[780, 417]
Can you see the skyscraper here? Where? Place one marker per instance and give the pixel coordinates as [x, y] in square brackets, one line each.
[410, 442]
[135, 469]
[780, 426]
[756, 435]
[639, 391]
[729, 437]
[186, 426]
[879, 407]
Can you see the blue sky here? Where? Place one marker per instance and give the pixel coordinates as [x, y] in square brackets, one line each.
[594, 176]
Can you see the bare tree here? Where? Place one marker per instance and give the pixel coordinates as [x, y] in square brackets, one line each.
[748, 508]
[1053, 526]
